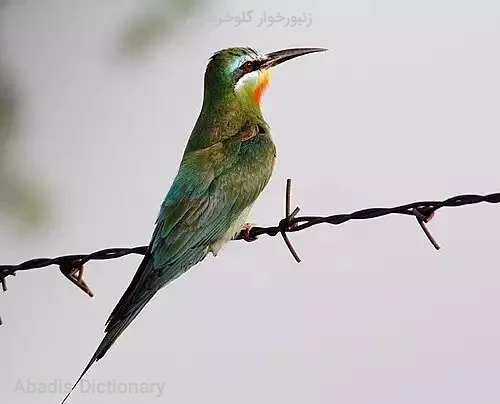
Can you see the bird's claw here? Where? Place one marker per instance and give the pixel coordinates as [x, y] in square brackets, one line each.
[246, 234]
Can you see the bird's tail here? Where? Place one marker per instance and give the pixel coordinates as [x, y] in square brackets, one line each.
[130, 305]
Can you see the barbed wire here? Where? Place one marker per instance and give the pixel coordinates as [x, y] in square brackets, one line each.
[72, 266]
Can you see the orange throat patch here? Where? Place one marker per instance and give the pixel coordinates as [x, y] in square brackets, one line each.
[263, 82]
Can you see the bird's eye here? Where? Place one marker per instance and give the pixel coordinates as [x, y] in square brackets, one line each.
[247, 66]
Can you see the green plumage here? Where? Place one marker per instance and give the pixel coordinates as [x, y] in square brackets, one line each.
[227, 162]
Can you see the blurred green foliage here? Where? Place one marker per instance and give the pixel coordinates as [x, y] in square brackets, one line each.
[20, 200]
[24, 202]
[158, 20]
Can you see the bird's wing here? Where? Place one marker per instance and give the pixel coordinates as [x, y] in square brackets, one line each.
[210, 191]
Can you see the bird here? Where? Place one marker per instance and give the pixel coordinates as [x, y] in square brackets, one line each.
[227, 162]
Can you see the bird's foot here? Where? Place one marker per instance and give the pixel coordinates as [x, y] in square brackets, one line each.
[246, 234]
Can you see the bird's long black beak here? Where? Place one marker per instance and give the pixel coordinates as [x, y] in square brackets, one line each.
[275, 58]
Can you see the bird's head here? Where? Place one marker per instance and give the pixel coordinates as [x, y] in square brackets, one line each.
[244, 72]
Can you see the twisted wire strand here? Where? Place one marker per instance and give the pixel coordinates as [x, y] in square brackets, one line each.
[72, 265]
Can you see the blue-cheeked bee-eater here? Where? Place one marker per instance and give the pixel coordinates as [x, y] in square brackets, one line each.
[227, 162]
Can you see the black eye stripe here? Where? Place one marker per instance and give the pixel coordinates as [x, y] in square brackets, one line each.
[247, 66]
[253, 65]
[250, 65]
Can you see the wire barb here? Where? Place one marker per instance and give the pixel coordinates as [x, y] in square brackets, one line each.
[422, 219]
[74, 273]
[286, 223]
[71, 266]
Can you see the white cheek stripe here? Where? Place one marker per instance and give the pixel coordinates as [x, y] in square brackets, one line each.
[248, 80]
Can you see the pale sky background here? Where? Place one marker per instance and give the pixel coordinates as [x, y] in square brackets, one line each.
[403, 107]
